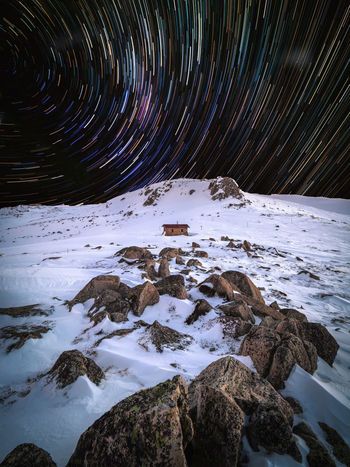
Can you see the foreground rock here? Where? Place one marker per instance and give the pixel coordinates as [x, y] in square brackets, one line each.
[239, 309]
[20, 334]
[340, 449]
[28, 455]
[244, 284]
[70, 365]
[216, 284]
[318, 454]
[163, 336]
[149, 428]
[274, 354]
[163, 270]
[134, 253]
[201, 309]
[172, 285]
[116, 308]
[270, 416]
[95, 287]
[143, 295]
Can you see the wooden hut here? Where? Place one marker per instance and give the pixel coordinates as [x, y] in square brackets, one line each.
[175, 229]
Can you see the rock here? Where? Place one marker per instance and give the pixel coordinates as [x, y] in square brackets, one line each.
[291, 313]
[194, 262]
[149, 267]
[216, 284]
[269, 322]
[163, 336]
[170, 253]
[225, 238]
[254, 395]
[231, 245]
[201, 254]
[318, 454]
[150, 428]
[238, 308]
[163, 270]
[340, 449]
[274, 354]
[212, 239]
[94, 288]
[247, 246]
[275, 306]
[310, 274]
[218, 423]
[233, 327]
[244, 284]
[172, 285]
[295, 404]
[223, 188]
[179, 260]
[115, 307]
[20, 334]
[143, 295]
[135, 253]
[28, 455]
[201, 309]
[195, 245]
[260, 309]
[70, 365]
[24, 311]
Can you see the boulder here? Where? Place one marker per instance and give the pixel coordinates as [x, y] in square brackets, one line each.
[143, 295]
[244, 284]
[295, 404]
[294, 314]
[318, 454]
[218, 423]
[223, 188]
[216, 284]
[233, 327]
[115, 307]
[163, 336]
[150, 428]
[28, 455]
[195, 245]
[21, 333]
[225, 238]
[231, 245]
[238, 308]
[247, 246]
[201, 254]
[179, 260]
[70, 365]
[259, 308]
[172, 285]
[24, 311]
[194, 262]
[202, 308]
[94, 288]
[268, 322]
[340, 449]
[149, 267]
[254, 395]
[135, 253]
[170, 253]
[163, 270]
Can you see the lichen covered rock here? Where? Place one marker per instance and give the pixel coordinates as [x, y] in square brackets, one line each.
[28, 455]
[172, 285]
[163, 336]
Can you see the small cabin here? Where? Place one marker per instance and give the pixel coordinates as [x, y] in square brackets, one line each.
[175, 229]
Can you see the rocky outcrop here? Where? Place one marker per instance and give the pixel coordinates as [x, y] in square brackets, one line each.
[274, 354]
[20, 334]
[201, 309]
[239, 309]
[149, 428]
[223, 188]
[256, 397]
[340, 449]
[163, 270]
[218, 423]
[134, 253]
[172, 285]
[163, 336]
[244, 284]
[216, 284]
[318, 454]
[24, 311]
[94, 288]
[28, 455]
[143, 295]
[70, 365]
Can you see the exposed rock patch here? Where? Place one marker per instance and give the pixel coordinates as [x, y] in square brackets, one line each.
[172, 285]
[194, 262]
[238, 308]
[201, 309]
[24, 311]
[318, 454]
[244, 284]
[170, 253]
[201, 254]
[163, 336]
[143, 295]
[340, 449]
[216, 284]
[20, 334]
[134, 253]
[223, 188]
[163, 270]
[28, 455]
[94, 288]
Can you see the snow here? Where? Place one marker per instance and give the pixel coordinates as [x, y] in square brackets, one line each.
[48, 253]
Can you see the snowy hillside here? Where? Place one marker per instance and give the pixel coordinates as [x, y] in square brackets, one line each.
[299, 257]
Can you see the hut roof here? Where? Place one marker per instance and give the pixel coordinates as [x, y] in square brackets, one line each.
[176, 225]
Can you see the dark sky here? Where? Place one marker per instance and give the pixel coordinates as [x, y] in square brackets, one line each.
[99, 97]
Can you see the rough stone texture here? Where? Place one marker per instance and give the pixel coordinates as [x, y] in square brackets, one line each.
[115, 307]
[20, 334]
[172, 285]
[244, 284]
[194, 262]
[21, 311]
[201, 309]
[269, 322]
[163, 270]
[252, 393]
[223, 188]
[318, 455]
[149, 428]
[215, 284]
[163, 336]
[201, 254]
[170, 253]
[179, 260]
[340, 449]
[95, 287]
[218, 423]
[275, 305]
[295, 404]
[143, 295]
[28, 455]
[294, 314]
[238, 308]
[149, 267]
[135, 253]
[260, 309]
[233, 327]
[70, 365]
[274, 354]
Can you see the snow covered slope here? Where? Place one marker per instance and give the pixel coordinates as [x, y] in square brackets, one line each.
[49, 253]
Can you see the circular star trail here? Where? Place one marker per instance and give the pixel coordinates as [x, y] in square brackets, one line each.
[99, 97]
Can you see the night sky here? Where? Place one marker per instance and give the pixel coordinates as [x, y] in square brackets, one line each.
[99, 97]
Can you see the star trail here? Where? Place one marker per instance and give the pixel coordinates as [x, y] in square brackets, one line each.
[99, 97]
